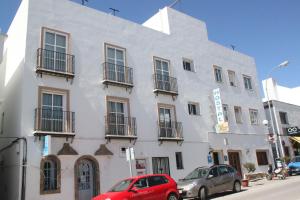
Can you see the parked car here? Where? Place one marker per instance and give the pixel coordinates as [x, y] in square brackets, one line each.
[146, 187]
[205, 181]
[294, 166]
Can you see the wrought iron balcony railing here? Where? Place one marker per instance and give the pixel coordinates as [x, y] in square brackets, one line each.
[49, 121]
[56, 63]
[120, 126]
[117, 75]
[165, 84]
[170, 130]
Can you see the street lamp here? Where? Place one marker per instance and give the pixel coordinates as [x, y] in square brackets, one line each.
[281, 65]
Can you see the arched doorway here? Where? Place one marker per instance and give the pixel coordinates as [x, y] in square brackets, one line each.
[86, 178]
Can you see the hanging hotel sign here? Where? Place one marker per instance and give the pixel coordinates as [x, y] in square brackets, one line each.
[293, 131]
[221, 126]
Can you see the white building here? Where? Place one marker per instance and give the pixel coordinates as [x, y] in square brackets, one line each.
[64, 60]
[285, 103]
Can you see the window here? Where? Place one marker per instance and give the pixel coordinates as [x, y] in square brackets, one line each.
[52, 112]
[225, 112]
[55, 46]
[253, 116]
[162, 74]
[262, 158]
[116, 118]
[214, 172]
[283, 118]
[223, 170]
[218, 74]
[179, 162]
[238, 114]
[167, 121]
[194, 108]
[160, 165]
[231, 77]
[141, 183]
[115, 63]
[188, 65]
[156, 180]
[50, 175]
[247, 82]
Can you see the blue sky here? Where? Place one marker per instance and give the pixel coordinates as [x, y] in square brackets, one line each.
[268, 30]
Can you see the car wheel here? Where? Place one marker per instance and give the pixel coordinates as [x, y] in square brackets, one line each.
[172, 197]
[236, 186]
[202, 194]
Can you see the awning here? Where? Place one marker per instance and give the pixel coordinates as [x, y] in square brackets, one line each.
[296, 139]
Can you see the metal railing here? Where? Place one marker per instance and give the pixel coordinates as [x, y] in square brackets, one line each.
[165, 83]
[170, 130]
[117, 73]
[48, 120]
[120, 126]
[53, 61]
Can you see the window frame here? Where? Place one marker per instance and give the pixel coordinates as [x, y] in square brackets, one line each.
[179, 160]
[240, 121]
[286, 119]
[191, 62]
[248, 82]
[231, 72]
[217, 68]
[56, 160]
[251, 112]
[197, 108]
[262, 158]
[227, 112]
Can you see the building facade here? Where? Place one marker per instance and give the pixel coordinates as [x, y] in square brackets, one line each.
[285, 111]
[81, 86]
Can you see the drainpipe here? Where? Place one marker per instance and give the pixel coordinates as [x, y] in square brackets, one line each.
[24, 161]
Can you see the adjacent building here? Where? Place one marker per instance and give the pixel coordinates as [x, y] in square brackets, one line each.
[285, 111]
[81, 86]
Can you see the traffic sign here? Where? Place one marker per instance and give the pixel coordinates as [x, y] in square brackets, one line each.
[293, 131]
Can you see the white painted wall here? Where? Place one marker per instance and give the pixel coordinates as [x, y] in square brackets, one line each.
[179, 36]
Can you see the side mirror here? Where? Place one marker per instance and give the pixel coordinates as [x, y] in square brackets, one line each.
[133, 189]
[210, 176]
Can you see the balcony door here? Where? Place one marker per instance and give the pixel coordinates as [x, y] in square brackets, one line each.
[162, 75]
[166, 122]
[52, 114]
[117, 118]
[115, 59]
[54, 53]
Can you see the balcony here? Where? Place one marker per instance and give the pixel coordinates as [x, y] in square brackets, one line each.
[55, 63]
[57, 123]
[165, 84]
[120, 127]
[117, 75]
[170, 131]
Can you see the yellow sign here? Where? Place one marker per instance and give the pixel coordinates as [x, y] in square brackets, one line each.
[222, 127]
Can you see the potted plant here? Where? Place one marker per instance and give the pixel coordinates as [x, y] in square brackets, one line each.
[250, 167]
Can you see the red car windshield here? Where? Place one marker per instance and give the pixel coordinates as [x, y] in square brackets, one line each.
[121, 186]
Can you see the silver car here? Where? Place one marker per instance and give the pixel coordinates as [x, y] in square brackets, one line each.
[205, 181]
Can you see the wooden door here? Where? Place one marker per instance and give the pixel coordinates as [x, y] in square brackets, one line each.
[234, 161]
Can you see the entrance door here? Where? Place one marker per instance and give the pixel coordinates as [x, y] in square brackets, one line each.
[216, 158]
[86, 180]
[161, 165]
[234, 161]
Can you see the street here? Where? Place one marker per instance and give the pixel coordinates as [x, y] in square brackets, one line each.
[287, 189]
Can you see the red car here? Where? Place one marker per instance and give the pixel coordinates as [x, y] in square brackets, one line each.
[147, 187]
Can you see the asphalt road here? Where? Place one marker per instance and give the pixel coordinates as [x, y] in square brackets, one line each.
[288, 189]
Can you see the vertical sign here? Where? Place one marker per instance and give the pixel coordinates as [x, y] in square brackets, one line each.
[130, 157]
[221, 126]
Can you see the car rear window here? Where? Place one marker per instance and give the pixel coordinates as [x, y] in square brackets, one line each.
[157, 180]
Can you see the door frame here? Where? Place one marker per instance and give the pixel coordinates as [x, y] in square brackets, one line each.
[239, 152]
[96, 174]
